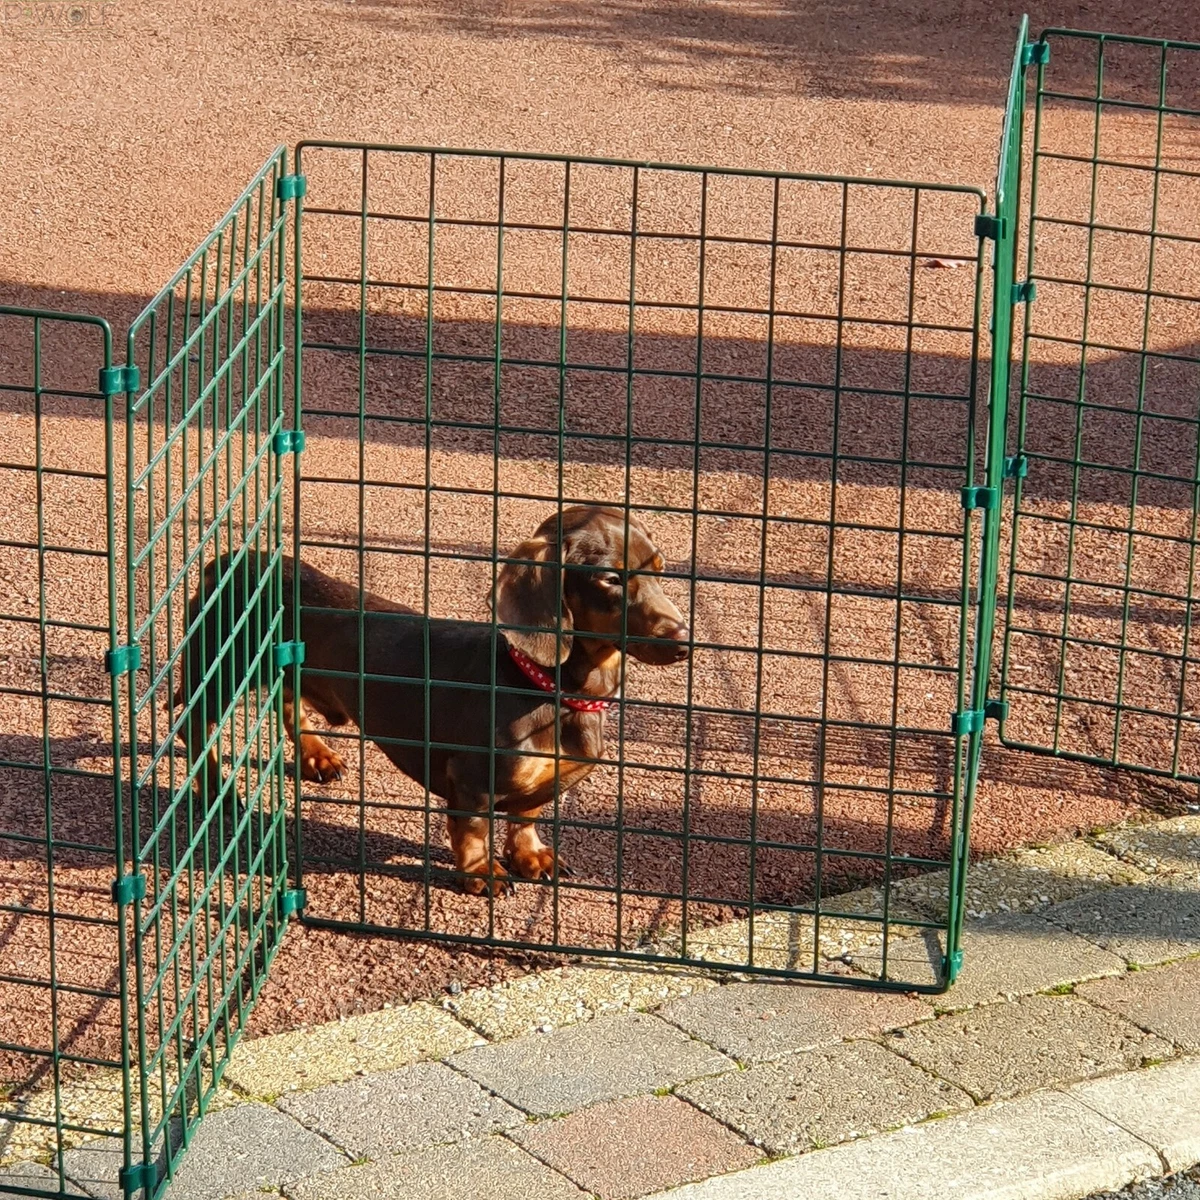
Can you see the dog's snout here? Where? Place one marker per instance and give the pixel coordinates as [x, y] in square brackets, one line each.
[681, 635]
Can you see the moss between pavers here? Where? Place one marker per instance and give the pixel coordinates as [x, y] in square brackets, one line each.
[378, 1041]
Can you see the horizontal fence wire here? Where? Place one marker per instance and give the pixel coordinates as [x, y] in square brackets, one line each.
[203, 712]
[1100, 662]
[774, 376]
[62, 970]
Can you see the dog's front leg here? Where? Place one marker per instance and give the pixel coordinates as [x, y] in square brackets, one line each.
[318, 763]
[527, 854]
[472, 837]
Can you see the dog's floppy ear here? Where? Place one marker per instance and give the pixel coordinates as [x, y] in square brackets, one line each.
[528, 594]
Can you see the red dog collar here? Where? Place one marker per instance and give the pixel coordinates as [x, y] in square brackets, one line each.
[545, 681]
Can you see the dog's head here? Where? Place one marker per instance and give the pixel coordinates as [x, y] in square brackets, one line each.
[603, 569]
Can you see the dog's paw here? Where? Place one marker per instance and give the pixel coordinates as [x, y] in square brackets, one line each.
[477, 882]
[319, 764]
[537, 864]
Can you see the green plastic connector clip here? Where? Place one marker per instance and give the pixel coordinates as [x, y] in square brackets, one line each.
[979, 497]
[1035, 54]
[287, 654]
[988, 226]
[996, 710]
[137, 1178]
[288, 441]
[120, 660]
[1016, 467]
[1024, 293]
[114, 380]
[953, 965]
[962, 723]
[291, 187]
[129, 889]
[293, 901]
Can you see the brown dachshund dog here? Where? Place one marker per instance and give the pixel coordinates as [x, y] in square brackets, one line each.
[598, 586]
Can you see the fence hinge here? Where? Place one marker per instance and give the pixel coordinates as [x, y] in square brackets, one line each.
[294, 900]
[1035, 53]
[988, 226]
[1024, 293]
[139, 1177]
[114, 380]
[966, 722]
[291, 187]
[120, 660]
[288, 441]
[129, 889]
[1016, 467]
[996, 710]
[952, 965]
[979, 497]
[288, 654]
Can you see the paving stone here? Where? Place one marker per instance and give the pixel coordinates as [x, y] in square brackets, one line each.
[915, 961]
[401, 1110]
[378, 1041]
[787, 941]
[34, 1175]
[1026, 882]
[1019, 954]
[1164, 847]
[1046, 1146]
[822, 1097]
[627, 1148]
[1162, 999]
[1077, 859]
[95, 1103]
[752, 1021]
[1004, 1049]
[602, 1059]
[569, 994]
[1144, 925]
[491, 1167]
[245, 1148]
[1159, 1106]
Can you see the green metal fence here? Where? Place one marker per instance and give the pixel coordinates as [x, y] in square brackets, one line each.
[63, 1002]
[206, 806]
[1099, 659]
[776, 375]
[146, 884]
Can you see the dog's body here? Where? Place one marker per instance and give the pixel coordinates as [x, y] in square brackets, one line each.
[596, 577]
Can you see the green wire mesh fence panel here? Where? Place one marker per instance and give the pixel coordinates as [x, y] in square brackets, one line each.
[1000, 227]
[775, 376]
[1099, 658]
[204, 490]
[62, 967]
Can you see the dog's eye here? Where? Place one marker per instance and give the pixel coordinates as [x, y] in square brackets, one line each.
[611, 579]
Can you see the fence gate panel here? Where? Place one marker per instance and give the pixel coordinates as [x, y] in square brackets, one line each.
[63, 986]
[1099, 656]
[207, 874]
[776, 374]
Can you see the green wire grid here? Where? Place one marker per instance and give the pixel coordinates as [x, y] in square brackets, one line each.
[1099, 662]
[61, 1019]
[204, 434]
[455, 364]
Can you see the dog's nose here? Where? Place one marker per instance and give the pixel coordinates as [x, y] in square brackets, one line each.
[681, 634]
